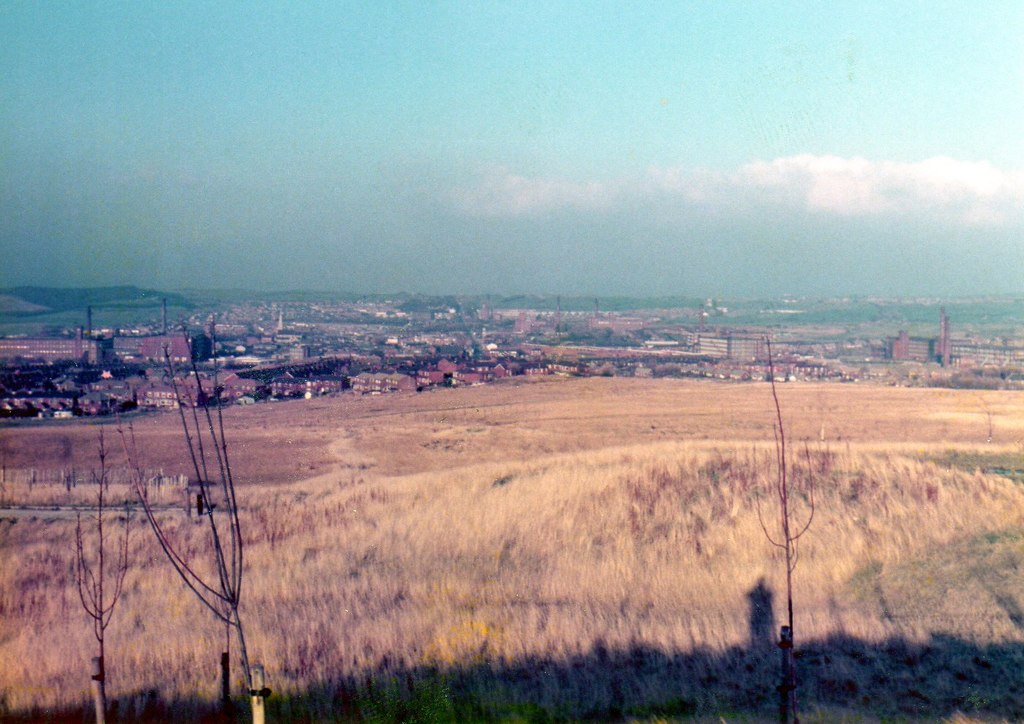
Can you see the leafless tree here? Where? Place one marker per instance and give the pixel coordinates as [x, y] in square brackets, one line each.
[990, 418]
[99, 585]
[787, 535]
[215, 500]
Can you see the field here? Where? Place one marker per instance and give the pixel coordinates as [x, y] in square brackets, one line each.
[562, 549]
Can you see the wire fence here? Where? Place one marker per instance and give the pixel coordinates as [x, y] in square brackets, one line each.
[32, 486]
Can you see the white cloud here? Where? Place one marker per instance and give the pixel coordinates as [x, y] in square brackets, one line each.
[961, 192]
[506, 194]
[971, 192]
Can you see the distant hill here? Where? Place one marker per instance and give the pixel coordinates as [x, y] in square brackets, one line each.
[23, 301]
[586, 304]
[14, 305]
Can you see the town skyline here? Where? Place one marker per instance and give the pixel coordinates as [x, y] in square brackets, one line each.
[245, 351]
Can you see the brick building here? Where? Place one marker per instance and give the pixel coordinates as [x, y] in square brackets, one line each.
[53, 349]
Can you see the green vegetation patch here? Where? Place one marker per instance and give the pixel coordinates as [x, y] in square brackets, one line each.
[1009, 465]
[946, 588]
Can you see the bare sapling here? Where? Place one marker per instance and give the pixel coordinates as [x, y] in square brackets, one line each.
[99, 579]
[786, 537]
[216, 501]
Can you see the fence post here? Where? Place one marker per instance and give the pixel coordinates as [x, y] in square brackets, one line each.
[258, 693]
[99, 693]
[225, 681]
[788, 684]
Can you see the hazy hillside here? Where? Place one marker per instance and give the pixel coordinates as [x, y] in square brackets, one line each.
[45, 300]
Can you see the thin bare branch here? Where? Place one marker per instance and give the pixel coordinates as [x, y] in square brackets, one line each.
[181, 411]
[191, 578]
[764, 527]
[790, 533]
[222, 595]
[92, 571]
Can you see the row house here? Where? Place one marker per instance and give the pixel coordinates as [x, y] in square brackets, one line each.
[158, 396]
[99, 403]
[325, 384]
[196, 392]
[447, 366]
[287, 385]
[379, 382]
[290, 385]
[566, 368]
[431, 378]
[233, 386]
[41, 401]
[465, 377]
[163, 394]
[65, 383]
[118, 390]
[480, 373]
[490, 370]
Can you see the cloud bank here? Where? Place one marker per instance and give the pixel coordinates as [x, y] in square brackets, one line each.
[969, 193]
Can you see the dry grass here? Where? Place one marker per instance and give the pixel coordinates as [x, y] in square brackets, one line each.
[602, 531]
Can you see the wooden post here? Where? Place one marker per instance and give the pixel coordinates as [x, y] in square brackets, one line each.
[99, 693]
[225, 681]
[787, 688]
[258, 694]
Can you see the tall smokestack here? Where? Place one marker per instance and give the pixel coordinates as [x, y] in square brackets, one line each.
[88, 321]
[163, 315]
[945, 345]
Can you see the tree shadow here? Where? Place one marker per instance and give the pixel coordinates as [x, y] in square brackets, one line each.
[1010, 607]
[761, 616]
[838, 676]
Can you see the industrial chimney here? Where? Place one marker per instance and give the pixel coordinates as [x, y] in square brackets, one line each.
[944, 342]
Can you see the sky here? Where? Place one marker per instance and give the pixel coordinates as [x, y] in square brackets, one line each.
[692, 148]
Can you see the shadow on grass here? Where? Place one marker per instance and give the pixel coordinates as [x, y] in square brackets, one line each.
[892, 679]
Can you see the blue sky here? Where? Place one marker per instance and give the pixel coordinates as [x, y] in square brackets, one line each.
[595, 148]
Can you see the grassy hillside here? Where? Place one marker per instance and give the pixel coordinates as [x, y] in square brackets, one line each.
[566, 549]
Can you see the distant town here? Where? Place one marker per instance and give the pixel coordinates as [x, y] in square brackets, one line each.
[246, 352]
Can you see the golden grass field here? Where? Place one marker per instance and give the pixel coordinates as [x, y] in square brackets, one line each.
[563, 548]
